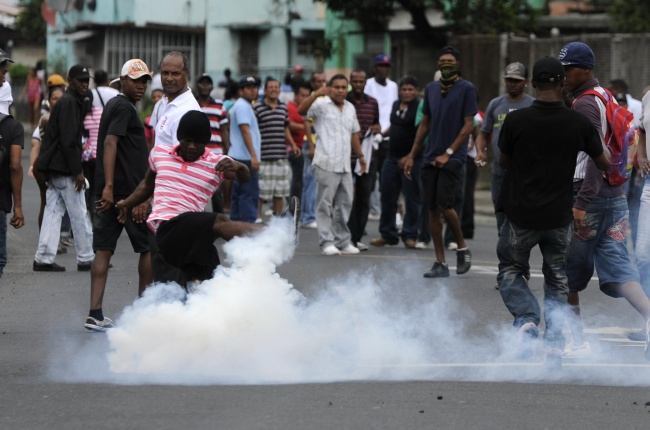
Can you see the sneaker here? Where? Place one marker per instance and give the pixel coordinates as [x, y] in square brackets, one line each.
[259, 221]
[95, 325]
[311, 225]
[293, 211]
[581, 351]
[647, 340]
[349, 249]
[526, 336]
[85, 266]
[452, 246]
[553, 359]
[409, 243]
[381, 242]
[362, 246]
[421, 245]
[66, 241]
[374, 217]
[268, 212]
[331, 250]
[438, 270]
[463, 261]
[61, 250]
[45, 267]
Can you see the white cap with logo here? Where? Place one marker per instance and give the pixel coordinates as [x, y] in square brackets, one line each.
[135, 69]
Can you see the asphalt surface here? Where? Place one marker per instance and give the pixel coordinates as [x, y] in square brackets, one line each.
[54, 374]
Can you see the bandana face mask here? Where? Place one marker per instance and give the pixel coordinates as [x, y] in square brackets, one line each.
[449, 73]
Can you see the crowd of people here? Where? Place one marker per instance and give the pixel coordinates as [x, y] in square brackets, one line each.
[320, 150]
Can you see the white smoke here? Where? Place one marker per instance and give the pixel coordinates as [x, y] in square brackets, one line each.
[248, 325]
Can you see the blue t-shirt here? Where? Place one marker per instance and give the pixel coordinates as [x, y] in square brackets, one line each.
[242, 113]
[448, 114]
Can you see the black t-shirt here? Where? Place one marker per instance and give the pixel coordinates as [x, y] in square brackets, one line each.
[12, 133]
[543, 142]
[120, 118]
[402, 128]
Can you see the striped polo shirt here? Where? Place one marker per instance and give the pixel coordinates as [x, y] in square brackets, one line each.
[218, 117]
[181, 186]
[272, 123]
[367, 111]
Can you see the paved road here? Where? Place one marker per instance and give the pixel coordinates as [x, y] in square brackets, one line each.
[358, 342]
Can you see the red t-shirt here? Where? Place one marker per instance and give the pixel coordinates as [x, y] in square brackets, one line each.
[294, 116]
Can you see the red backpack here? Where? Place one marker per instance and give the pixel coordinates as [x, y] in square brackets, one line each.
[621, 138]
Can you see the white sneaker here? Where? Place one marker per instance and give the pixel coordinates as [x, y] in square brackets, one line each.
[362, 246]
[572, 351]
[259, 221]
[421, 245]
[452, 246]
[311, 225]
[350, 249]
[374, 217]
[331, 250]
[268, 212]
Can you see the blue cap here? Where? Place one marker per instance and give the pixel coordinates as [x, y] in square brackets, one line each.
[577, 54]
[248, 81]
[382, 59]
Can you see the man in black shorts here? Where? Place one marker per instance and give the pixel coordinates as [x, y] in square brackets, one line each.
[182, 179]
[121, 164]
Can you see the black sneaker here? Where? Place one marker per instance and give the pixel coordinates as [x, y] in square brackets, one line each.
[84, 267]
[463, 261]
[438, 270]
[96, 325]
[293, 211]
[45, 267]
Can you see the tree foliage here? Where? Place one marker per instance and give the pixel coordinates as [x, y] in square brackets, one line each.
[630, 16]
[29, 22]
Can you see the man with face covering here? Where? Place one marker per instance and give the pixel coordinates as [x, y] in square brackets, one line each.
[449, 108]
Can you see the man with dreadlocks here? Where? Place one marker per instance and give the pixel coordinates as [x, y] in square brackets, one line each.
[449, 108]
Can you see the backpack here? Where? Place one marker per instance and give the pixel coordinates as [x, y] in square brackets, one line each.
[621, 138]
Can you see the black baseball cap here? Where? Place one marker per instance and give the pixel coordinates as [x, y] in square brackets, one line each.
[548, 70]
[248, 81]
[78, 72]
[204, 76]
[4, 57]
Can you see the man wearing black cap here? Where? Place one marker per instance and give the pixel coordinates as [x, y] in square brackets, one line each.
[219, 141]
[600, 210]
[245, 147]
[539, 146]
[515, 79]
[11, 170]
[181, 181]
[60, 161]
[449, 108]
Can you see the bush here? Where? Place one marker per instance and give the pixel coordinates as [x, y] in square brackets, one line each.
[19, 72]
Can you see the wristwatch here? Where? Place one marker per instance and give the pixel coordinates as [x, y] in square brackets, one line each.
[449, 151]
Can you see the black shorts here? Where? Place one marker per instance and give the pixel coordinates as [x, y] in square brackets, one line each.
[187, 242]
[107, 229]
[439, 186]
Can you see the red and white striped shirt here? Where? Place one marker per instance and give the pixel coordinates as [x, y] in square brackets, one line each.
[181, 186]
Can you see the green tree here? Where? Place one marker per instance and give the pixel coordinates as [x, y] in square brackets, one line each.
[630, 16]
[29, 22]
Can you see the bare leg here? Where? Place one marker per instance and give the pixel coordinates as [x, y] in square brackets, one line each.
[98, 276]
[454, 224]
[145, 272]
[435, 225]
[278, 204]
[226, 229]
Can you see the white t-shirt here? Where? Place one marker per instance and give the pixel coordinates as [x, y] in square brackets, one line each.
[106, 93]
[386, 95]
[170, 114]
[6, 98]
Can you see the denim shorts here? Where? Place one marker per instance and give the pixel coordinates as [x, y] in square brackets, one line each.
[602, 242]
[107, 229]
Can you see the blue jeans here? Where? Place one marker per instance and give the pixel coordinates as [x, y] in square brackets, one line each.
[3, 241]
[308, 203]
[244, 199]
[643, 238]
[602, 242]
[393, 182]
[514, 289]
[61, 195]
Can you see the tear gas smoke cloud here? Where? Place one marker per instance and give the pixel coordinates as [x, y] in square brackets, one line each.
[248, 325]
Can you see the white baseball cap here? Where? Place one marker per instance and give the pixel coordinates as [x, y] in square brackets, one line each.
[135, 69]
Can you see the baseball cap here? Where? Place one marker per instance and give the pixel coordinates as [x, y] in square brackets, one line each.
[78, 72]
[382, 59]
[449, 50]
[4, 57]
[516, 71]
[56, 80]
[248, 81]
[577, 54]
[548, 70]
[135, 69]
[206, 77]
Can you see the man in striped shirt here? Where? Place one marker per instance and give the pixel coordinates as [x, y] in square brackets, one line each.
[275, 172]
[182, 179]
